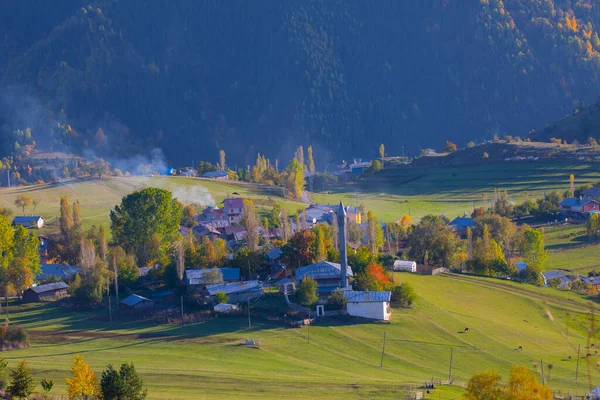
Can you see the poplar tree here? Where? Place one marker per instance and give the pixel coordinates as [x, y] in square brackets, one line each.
[222, 159]
[381, 153]
[250, 222]
[311, 160]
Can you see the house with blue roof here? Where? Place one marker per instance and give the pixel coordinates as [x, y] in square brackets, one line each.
[372, 305]
[238, 292]
[461, 224]
[200, 276]
[327, 275]
[220, 175]
[29, 221]
[564, 281]
[59, 271]
[577, 207]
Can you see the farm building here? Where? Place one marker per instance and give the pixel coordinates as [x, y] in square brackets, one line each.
[211, 213]
[550, 275]
[47, 292]
[373, 305]
[28, 222]
[594, 394]
[137, 303]
[197, 277]
[401, 265]
[461, 224]
[327, 275]
[578, 206]
[592, 193]
[220, 175]
[60, 271]
[237, 291]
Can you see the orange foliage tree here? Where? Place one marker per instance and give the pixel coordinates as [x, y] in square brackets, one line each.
[374, 278]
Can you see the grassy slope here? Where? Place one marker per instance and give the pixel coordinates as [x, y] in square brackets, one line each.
[98, 197]
[202, 361]
[452, 190]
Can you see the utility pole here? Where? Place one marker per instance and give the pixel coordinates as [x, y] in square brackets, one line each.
[181, 310]
[543, 378]
[383, 350]
[8, 177]
[249, 322]
[450, 371]
[576, 368]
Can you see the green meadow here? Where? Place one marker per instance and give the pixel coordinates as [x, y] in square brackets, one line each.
[205, 361]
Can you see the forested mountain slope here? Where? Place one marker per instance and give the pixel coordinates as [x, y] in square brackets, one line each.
[193, 76]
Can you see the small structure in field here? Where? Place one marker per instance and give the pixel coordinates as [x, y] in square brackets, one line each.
[137, 303]
[47, 292]
[372, 305]
[224, 308]
[401, 265]
[29, 221]
[220, 175]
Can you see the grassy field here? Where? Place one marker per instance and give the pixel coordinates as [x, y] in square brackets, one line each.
[455, 190]
[342, 361]
[98, 197]
[569, 249]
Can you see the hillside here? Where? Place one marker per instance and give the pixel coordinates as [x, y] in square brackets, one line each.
[343, 358]
[117, 77]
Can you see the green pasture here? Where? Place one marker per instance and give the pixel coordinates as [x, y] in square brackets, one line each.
[453, 190]
[342, 361]
[97, 197]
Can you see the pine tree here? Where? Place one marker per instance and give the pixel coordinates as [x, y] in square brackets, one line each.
[112, 385]
[21, 385]
[133, 384]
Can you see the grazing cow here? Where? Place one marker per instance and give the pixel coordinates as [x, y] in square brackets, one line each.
[520, 348]
[569, 358]
[466, 330]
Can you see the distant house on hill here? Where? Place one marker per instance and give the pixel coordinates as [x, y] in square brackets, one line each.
[373, 305]
[47, 292]
[327, 275]
[564, 281]
[577, 207]
[210, 214]
[29, 222]
[400, 265]
[198, 277]
[592, 193]
[220, 175]
[234, 210]
[137, 303]
[238, 292]
[461, 224]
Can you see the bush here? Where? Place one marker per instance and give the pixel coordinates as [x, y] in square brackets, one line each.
[403, 295]
[221, 298]
[16, 334]
[337, 299]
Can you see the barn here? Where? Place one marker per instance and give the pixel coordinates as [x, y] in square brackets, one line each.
[27, 221]
[400, 265]
[372, 305]
[47, 292]
[137, 303]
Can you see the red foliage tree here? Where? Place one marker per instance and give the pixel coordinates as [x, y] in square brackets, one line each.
[374, 278]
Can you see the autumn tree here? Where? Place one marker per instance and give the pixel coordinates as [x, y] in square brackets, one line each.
[373, 278]
[433, 242]
[449, 147]
[250, 222]
[300, 156]
[23, 201]
[188, 217]
[35, 203]
[320, 248]
[593, 227]
[485, 385]
[382, 154]
[222, 160]
[523, 385]
[406, 220]
[295, 179]
[21, 385]
[572, 185]
[83, 384]
[299, 249]
[311, 160]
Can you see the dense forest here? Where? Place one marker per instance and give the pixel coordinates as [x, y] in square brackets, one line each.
[117, 77]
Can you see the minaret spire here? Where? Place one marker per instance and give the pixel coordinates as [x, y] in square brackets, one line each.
[341, 221]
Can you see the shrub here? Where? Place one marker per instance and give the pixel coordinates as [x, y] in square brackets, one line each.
[403, 295]
[221, 298]
[16, 334]
[337, 299]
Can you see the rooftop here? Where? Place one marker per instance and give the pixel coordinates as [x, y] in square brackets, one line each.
[133, 300]
[367, 297]
[58, 271]
[574, 202]
[215, 174]
[196, 276]
[234, 203]
[322, 270]
[49, 287]
[234, 287]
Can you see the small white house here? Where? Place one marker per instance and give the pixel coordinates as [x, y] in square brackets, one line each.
[372, 305]
[401, 265]
[224, 308]
[28, 222]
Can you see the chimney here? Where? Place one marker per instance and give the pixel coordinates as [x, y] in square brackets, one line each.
[341, 221]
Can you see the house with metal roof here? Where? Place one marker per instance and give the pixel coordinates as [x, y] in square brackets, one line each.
[327, 274]
[60, 271]
[47, 292]
[238, 292]
[550, 275]
[195, 277]
[137, 303]
[372, 305]
[29, 221]
[234, 210]
[576, 206]
[594, 394]
[220, 175]
[592, 193]
[460, 224]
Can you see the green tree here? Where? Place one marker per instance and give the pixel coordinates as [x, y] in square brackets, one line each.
[21, 385]
[133, 384]
[360, 258]
[188, 217]
[250, 222]
[533, 252]
[47, 386]
[593, 227]
[295, 179]
[205, 166]
[432, 241]
[3, 371]
[337, 299]
[404, 295]
[143, 214]
[307, 291]
[375, 233]
[221, 298]
[112, 385]
[375, 167]
[485, 385]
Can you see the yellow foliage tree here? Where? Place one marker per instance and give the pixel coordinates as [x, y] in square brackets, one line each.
[406, 220]
[523, 385]
[485, 385]
[84, 384]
